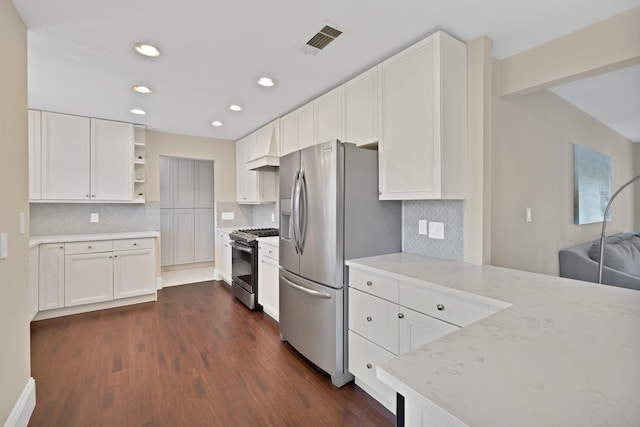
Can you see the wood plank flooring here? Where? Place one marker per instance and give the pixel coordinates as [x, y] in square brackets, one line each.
[196, 357]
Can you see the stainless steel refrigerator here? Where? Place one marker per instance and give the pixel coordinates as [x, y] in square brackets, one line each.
[329, 213]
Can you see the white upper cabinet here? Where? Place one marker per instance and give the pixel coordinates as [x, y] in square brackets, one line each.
[35, 154]
[111, 164]
[328, 116]
[422, 149]
[306, 126]
[203, 184]
[252, 187]
[360, 107]
[66, 157]
[289, 133]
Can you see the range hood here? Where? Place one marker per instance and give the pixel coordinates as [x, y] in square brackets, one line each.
[266, 153]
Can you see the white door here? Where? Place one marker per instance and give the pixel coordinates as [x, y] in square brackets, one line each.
[33, 282]
[133, 273]
[360, 108]
[183, 236]
[88, 278]
[66, 157]
[111, 160]
[166, 182]
[204, 235]
[417, 329]
[51, 276]
[183, 179]
[203, 185]
[166, 237]
[328, 116]
[35, 154]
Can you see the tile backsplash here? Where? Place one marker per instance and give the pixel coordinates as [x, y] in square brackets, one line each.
[74, 218]
[247, 215]
[450, 212]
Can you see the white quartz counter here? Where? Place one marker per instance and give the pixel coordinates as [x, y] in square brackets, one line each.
[38, 240]
[565, 353]
[272, 240]
[227, 229]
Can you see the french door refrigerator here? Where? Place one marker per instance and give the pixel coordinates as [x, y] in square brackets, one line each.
[329, 213]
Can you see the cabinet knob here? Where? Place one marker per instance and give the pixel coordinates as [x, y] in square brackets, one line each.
[61, 247]
[135, 244]
[440, 307]
[86, 195]
[110, 257]
[88, 247]
[369, 319]
[115, 256]
[93, 196]
[369, 366]
[401, 315]
[379, 193]
[369, 283]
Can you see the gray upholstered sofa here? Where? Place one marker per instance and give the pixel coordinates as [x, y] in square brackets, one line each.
[622, 251]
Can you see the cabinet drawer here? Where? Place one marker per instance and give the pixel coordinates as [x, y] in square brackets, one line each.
[88, 247]
[448, 307]
[364, 357]
[374, 284]
[127, 244]
[270, 251]
[374, 319]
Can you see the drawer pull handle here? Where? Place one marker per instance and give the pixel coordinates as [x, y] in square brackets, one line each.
[369, 319]
[440, 307]
[369, 283]
[400, 315]
[88, 247]
[135, 244]
[369, 366]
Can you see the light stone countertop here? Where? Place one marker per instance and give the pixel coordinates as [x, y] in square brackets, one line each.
[39, 240]
[227, 229]
[565, 353]
[272, 240]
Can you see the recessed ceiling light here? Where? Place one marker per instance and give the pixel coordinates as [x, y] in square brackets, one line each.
[141, 89]
[266, 82]
[216, 124]
[235, 107]
[138, 111]
[146, 49]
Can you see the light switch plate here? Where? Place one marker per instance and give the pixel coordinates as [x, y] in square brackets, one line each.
[94, 217]
[228, 215]
[4, 245]
[21, 221]
[273, 217]
[422, 226]
[528, 217]
[436, 230]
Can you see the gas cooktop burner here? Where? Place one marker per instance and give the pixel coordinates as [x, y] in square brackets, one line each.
[250, 234]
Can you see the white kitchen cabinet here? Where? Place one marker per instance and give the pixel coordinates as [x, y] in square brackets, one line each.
[166, 236]
[139, 162]
[204, 235]
[111, 160]
[183, 236]
[422, 149]
[374, 318]
[360, 108]
[166, 181]
[306, 125]
[252, 187]
[268, 280]
[203, 185]
[223, 256]
[289, 133]
[417, 329]
[328, 116]
[51, 276]
[33, 282]
[66, 157]
[183, 183]
[133, 267]
[88, 278]
[35, 155]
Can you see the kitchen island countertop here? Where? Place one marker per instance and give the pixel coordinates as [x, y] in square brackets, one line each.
[38, 240]
[565, 353]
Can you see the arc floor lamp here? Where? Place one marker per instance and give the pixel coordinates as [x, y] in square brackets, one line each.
[604, 226]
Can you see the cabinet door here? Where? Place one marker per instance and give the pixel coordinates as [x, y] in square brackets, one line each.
[417, 329]
[289, 133]
[33, 282]
[204, 232]
[134, 273]
[166, 237]
[246, 180]
[166, 182]
[65, 157]
[360, 108]
[224, 263]
[183, 236]
[51, 276]
[203, 186]
[306, 126]
[183, 183]
[328, 116]
[111, 160]
[88, 278]
[374, 319]
[409, 157]
[35, 154]
[268, 289]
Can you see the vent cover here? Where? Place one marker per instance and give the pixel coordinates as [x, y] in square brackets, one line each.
[321, 39]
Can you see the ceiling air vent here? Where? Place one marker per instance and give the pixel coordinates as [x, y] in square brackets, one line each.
[321, 39]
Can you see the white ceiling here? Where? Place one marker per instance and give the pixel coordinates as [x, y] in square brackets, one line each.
[81, 59]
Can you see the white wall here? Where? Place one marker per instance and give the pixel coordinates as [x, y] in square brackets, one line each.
[14, 311]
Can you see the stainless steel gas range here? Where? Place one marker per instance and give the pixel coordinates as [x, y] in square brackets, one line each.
[244, 264]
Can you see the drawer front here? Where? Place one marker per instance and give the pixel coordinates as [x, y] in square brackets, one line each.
[364, 357]
[374, 284]
[450, 308]
[128, 244]
[374, 319]
[269, 251]
[88, 247]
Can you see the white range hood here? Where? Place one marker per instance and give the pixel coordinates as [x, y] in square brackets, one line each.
[266, 153]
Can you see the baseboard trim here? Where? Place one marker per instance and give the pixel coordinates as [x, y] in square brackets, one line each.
[159, 283]
[65, 311]
[22, 410]
[216, 274]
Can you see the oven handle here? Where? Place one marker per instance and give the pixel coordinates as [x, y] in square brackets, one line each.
[306, 290]
[241, 248]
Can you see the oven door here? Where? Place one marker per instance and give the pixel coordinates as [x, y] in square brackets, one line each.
[242, 266]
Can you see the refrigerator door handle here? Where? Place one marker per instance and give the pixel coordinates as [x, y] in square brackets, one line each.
[294, 210]
[303, 220]
[308, 291]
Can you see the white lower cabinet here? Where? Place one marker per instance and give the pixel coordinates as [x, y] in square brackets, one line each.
[133, 273]
[33, 282]
[51, 276]
[88, 278]
[268, 280]
[223, 257]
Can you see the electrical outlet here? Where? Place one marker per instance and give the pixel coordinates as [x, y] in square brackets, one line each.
[94, 217]
[273, 217]
[422, 226]
[228, 215]
[436, 230]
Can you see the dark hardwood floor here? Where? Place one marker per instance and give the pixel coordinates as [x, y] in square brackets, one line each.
[196, 357]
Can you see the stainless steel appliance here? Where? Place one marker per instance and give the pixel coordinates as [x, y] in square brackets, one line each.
[244, 264]
[329, 212]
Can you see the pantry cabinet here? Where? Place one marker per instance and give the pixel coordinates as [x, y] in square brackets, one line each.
[422, 149]
[360, 105]
[203, 185]
[183, 183]
[166, 233]
[183, 236]
[204, 235]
